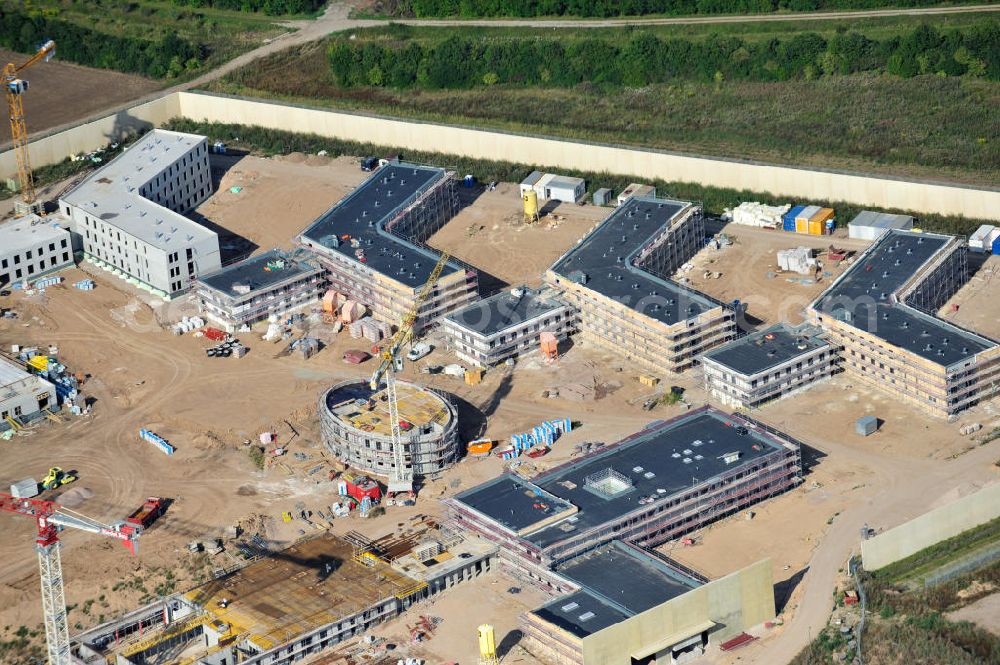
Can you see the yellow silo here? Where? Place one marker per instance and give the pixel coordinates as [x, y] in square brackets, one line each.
[487, 643]
[530, 199]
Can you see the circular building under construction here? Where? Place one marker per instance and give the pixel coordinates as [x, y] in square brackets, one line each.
[354, 421]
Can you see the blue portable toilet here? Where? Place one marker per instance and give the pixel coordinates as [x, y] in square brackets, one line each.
[996, 246]
[788, 219]
[469, 180]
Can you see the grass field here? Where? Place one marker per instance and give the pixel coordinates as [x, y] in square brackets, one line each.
[220, 34]
[924, 127]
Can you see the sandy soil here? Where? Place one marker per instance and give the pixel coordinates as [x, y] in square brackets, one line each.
[489, 233]
[978, 306]
[455, 638]
[144, 376]
[985, 613]
[746, 264]
[91, 90]
[278, 197]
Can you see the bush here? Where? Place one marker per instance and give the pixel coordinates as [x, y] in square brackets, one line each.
[459, 62]
[607, 8]
[269, 7]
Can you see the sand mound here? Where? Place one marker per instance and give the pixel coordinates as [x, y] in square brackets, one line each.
[75, 496]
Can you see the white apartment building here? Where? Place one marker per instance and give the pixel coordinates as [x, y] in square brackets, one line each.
[129, 216]
[506, 325]
[31, 247]
[22, 395]
[767, 365]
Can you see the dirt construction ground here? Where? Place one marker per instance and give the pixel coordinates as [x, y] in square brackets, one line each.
[53, 82]
[143, 376]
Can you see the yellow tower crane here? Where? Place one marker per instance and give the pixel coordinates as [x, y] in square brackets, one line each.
[401, 479]
[16, 88]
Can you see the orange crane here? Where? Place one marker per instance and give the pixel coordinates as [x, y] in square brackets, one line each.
[52, 518]
[16, 88]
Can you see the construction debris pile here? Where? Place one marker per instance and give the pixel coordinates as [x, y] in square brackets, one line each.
[756, 214]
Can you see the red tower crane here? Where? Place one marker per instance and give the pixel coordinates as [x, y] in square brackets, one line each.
[51, 518]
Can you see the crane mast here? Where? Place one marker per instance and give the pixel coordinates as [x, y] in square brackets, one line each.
[16, 88]
[401, 479]
[51, 518]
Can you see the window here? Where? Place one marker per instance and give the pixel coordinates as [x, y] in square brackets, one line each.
[27, 254]
[31, 270]
[3, 264]
[65, 256]
[52, 246]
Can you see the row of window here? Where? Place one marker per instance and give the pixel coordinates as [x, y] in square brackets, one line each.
[29, 254]
[30, 269]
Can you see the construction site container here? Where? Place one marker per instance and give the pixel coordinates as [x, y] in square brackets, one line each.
[24, 489]
[602, 197]
[866, 425]
[802, 219]
[648, 381]
[817, 223]
[978, 240]
[473, 377]
[996, 246]
[788, 219]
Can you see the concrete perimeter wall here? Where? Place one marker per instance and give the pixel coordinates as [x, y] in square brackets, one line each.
[931, 528]
[734, 603]
[54, 148]
[794, 183]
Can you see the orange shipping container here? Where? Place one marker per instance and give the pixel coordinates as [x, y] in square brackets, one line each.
[821, 216]
[801, 225]
[816, 228]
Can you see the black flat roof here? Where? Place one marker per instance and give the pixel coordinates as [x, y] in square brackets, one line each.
[862, 296]
[762, 350]
[605, 257]
[667, 455]
[503, 310]
[362, 215]
[513, 501]
[616, 581]
[255, 272]
[600, 614]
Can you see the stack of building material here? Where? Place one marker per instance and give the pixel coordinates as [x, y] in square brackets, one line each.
[544, 434]
[798, 260]
[47, 281]
[979, 241]
[85, 285]
[752, 213]
[370, 330]
[384, 328]
[157, 441]
[357, 329]
[273, 333]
